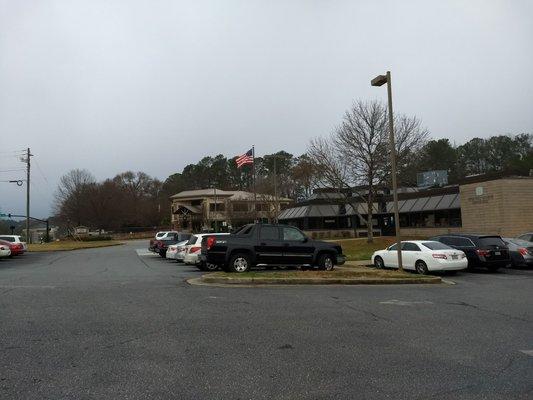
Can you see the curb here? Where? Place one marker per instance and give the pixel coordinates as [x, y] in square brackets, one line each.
[79, 248]
[318, 281]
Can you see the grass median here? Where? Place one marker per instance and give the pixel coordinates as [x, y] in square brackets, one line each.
[66, 245]
[352, 276]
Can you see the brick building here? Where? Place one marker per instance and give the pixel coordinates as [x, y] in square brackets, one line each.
[489, 204]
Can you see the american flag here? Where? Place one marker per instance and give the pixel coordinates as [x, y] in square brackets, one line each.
[246, 158]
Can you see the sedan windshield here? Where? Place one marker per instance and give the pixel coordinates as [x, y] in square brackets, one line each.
[436, 246]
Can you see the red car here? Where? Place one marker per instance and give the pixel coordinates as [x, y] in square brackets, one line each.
[16, 248]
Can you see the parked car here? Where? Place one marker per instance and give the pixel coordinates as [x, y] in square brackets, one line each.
[15, 239]
[422, 256]
[160, 246]
[194, 247]
[158, 236]
[528, 237]
[486, 251]
[269, 245]
[175, 251]
[521, 252]
[15, 248]
[5, 251]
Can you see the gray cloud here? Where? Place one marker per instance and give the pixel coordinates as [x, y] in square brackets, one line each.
[154, 85]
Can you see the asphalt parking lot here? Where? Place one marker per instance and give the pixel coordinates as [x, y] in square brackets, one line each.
[121, 323]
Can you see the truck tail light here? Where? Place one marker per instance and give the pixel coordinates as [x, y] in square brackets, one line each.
[482, 253]
[440, 255]
[211, 240]
[194, 249]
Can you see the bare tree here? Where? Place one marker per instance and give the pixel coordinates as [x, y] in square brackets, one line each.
[71, 195]
[357, 151]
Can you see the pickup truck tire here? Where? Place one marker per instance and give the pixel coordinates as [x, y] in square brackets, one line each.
[325, 262]
[239, 262]
[209, 267]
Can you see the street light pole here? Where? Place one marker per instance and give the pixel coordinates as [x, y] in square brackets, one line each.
[379, 81]
[215, 211]
[276, 205]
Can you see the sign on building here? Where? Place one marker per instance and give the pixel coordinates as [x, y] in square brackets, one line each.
[432, 178]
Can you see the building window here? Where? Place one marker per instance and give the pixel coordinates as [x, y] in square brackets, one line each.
[261, 207]
[219, 207]
[240, 207]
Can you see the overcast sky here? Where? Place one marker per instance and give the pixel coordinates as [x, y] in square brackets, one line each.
[154, 85]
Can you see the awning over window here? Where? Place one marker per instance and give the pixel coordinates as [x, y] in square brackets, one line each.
[180, 208]
[433, 203]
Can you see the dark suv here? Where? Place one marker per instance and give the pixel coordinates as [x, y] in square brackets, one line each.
[487, 251]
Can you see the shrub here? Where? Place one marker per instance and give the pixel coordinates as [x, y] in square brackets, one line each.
[95, 238]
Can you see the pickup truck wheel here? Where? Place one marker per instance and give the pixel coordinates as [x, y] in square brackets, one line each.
[239, 263]
[325, 262]
[210, 267]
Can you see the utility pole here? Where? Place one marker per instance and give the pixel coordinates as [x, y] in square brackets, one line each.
[28, 165]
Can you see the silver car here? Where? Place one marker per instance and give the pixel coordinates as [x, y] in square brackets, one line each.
[521, 252]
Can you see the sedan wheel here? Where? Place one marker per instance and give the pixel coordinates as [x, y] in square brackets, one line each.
[421, 267]
[378, 263]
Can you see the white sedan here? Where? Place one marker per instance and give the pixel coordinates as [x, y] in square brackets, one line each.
[4, 251]
[423, 256]
[176, 251]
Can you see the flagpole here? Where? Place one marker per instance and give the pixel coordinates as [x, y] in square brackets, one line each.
[253, 174]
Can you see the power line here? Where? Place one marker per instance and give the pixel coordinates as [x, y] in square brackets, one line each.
[13, 152]
[41, 172]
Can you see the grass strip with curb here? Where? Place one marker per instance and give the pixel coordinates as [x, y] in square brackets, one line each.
[342, 277]
[71, 245]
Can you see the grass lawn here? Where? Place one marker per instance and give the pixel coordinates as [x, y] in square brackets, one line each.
[355, 272]
[358, 249]
[71, 245]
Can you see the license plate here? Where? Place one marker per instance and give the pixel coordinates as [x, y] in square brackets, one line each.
[497, 253]
[454, 257]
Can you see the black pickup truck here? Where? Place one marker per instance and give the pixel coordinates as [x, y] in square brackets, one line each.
[269, 245]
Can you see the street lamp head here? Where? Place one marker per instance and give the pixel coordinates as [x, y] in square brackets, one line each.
[379, 80]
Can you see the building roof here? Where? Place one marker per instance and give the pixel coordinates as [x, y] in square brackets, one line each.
[202, 193]
[231, 194]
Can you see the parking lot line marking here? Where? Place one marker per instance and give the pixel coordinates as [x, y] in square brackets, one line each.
[405, 303]
[144, 252]
[528, 352]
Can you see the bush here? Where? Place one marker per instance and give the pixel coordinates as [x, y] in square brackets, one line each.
[95, 238]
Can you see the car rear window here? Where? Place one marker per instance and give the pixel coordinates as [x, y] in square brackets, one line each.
[436, 246]
[192, 239]
[491, 241]
[518, 242]
[7, 238]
